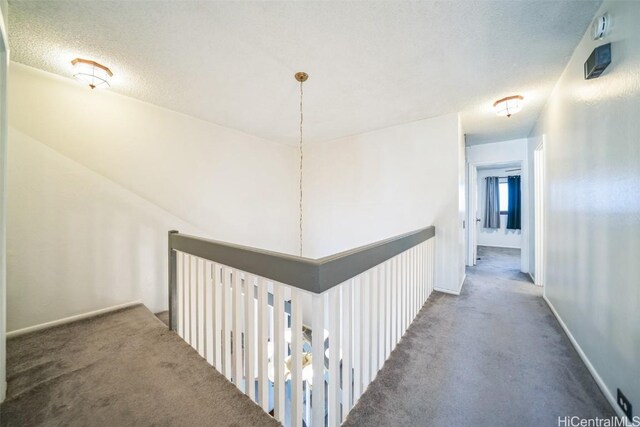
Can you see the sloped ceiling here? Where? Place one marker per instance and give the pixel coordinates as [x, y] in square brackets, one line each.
[371, 64]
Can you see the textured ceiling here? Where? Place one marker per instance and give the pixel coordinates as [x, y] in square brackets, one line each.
[371, 64]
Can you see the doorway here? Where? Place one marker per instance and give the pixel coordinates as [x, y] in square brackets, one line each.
[486, 240]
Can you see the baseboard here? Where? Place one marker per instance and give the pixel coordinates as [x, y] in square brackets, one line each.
[450, 291]
[587, 362]
[446, 291]
[500, 246]
[75, 318]
[3, 391]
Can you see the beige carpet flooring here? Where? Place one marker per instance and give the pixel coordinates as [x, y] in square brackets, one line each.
[121, 369]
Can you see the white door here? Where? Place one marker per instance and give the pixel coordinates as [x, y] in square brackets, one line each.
[538, 167]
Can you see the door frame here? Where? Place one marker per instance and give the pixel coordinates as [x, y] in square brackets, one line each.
[472, 202]
[472, 205]
[538, 183]
[4, 69]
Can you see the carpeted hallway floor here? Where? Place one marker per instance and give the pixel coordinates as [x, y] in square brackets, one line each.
[120, 369]
[493, 356]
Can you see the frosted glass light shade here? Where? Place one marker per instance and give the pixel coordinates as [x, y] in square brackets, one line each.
[90, 72]
[508, 106]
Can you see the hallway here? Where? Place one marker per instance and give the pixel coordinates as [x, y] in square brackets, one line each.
[493, 356]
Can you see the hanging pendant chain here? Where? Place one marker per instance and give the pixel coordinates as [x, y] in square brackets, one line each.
[301, 159]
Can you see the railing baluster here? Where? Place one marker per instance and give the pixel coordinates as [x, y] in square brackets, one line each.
[421, 258]
[193, 303]
[420, 265]
[373, 322]
[187, 297]
[226, 321]
[249, 335]
[237, 330]
[278, 351]
[357, 338]
[200, 298]
[318, 408]
[432, 264]
[366, 328]
[296, 358]
[382, 305]
[334, 355]
[180, 269]
[394, 302]
[263, 339]
[421, 284]
[217, 317]
[414, 282]
[209, 308]
[387, 310]
[403, 294]
[407, 290]
[193, 280]
[347, 337]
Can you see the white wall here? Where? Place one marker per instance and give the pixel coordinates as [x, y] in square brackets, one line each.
[372, 186]
[513, 151]
[78, 241]
[97, 179]
[490, 236]
[591, 131]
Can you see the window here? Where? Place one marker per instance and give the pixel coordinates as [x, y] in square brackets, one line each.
[504, 198]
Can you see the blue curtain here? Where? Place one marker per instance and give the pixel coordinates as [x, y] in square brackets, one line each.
[492, 205]
[515, 202]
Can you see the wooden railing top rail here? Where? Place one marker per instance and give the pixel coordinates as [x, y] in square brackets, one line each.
[313, 275]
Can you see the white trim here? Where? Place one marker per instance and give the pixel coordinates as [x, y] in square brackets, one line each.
[4, 71]
[449, 291]
[524, 173]
[532, 277]
[4, 35]
[70, 319]
[538, 194]
[501, 246]
[587, 362]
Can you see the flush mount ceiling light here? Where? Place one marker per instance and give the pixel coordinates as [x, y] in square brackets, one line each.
[508, 106]
[90, 72]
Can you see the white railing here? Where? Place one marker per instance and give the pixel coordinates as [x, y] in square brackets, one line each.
[278, 358]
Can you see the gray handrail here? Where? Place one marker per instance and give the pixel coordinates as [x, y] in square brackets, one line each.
[313, 275]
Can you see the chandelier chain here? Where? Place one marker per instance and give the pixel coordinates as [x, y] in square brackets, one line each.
[301, 160]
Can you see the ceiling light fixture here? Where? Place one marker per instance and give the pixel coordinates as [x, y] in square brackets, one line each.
[301, 77]
[508, 106]
[90, 72]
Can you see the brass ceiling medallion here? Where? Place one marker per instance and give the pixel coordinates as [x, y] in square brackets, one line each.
[301, 76]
